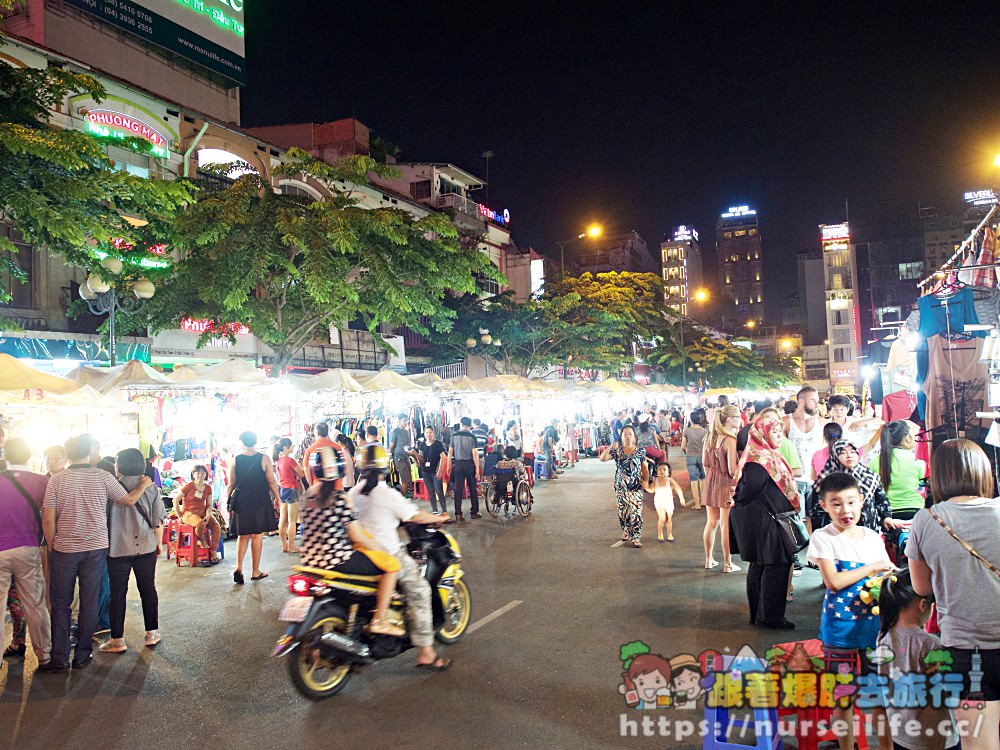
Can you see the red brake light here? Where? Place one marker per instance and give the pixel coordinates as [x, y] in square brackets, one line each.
[300, 585]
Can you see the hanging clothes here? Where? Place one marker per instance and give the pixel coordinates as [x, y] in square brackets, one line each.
[955, 387]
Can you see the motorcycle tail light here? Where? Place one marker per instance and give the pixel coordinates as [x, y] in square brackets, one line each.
[300, 585]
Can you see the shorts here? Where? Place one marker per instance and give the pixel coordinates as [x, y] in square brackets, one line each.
[854, 661]
[288, 495]
[696, 469]
[369, 562]
[403, 469]
[990, 687]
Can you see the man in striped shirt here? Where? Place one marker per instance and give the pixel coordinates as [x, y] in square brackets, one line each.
[75, 522]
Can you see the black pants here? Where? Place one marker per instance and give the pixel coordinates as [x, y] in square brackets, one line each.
[465, 474]
[767, 587]
[144, 567]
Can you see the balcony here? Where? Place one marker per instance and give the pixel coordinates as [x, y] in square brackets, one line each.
[463, 209]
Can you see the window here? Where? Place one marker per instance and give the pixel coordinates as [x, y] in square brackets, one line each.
[909, 271]
[447, 188]
[758, 298]
[129, 161]
[298, 192]
[841, 318]
[741, 233]
[753, 232]
[842, 354]
[420, 189]
[840, 336]
[21, 294]
[727, 235]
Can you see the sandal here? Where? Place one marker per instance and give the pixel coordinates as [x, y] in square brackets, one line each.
[381, 627]
[440, 664]
[257, 578]
[15, 650]
[732, 568]
[637, 544]
[711, 564]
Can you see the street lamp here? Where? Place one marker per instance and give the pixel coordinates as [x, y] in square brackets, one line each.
[107, 298]
[593, 232]
[751, 324]
[699, 296]
[486, 340]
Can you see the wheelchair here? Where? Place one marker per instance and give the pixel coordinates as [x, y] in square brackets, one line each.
[506, 490]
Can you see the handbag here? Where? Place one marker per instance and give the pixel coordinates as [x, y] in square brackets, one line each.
[968, 547]
[791, 531]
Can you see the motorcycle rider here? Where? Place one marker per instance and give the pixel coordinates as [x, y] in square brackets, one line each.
[381, 509]
[333, 539]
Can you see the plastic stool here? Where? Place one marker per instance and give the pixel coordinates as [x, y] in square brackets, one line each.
[531, 475]
[765, 728]
[419, 490]
[810, 738]
[167, 540]
[187, 547]
[541, 468]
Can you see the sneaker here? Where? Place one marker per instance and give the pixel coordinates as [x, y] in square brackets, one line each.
[152, 638]
[113, 646]
[102, 632]
[476, 515]
[796, 573]
[53, 666]
[82, 663]
[796, 565]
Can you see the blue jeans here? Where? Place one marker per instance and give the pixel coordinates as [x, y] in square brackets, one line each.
[695, 468]
[104, 602]
[435, 491]
[64, 570]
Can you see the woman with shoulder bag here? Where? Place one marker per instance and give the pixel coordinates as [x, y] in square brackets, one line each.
[253, 497]
[765, 489]
[954, 553]
[134, 549]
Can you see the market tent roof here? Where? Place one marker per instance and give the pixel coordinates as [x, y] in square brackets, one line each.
[233, 371]
[22, 384]
[618, 388]
[330, 380]
[429, 379]
[463, 383]
[714, 392]
[390, 380]
[133, 373]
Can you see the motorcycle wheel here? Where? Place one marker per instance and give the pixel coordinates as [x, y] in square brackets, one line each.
[492, 500]
[523, 499]
[457, 614]
[313, 676]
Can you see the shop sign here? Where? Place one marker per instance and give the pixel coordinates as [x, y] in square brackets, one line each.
[202, 326]
[980, 197]
[831, 232]
[106, 123]
[684, 233]
[736, 211]
[501, 218]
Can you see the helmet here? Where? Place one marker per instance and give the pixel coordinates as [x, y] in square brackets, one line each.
[327, 464]
[373, 456]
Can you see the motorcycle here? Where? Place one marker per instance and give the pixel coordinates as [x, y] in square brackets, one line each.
[326, 640]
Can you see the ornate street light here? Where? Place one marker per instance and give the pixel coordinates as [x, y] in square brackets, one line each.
[104, 298]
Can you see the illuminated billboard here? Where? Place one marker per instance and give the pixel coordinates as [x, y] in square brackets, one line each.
[208, 32]
[834, 232]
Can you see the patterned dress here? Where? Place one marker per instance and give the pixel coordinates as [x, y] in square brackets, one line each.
[628, 491]
[718, 488]
[325, 543]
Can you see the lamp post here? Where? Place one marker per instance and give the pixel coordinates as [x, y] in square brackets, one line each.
[486, 340]
[105, 298]
[699, 296]
[593, 231]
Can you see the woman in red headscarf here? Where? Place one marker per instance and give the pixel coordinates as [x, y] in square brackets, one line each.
[765, 488]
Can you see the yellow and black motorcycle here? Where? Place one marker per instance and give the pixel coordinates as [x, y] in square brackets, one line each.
[326, 639]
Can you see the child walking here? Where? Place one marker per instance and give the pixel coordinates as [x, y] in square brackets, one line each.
[903, 614]
[846, 555]
[664, 488]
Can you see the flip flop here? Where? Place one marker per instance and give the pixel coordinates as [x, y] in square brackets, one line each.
[257, 578]
[438, 665]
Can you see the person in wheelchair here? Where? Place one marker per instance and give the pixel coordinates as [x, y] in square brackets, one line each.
[510, 472]
[333, 539]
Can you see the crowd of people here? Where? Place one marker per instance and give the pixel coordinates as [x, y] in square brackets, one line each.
[869, 516]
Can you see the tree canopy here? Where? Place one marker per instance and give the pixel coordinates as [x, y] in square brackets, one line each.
[288, 267]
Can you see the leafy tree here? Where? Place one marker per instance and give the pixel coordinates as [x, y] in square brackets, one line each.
[58, 187]
[726, 364]
[289, 267]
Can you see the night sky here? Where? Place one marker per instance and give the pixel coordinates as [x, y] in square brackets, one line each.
[647, 119]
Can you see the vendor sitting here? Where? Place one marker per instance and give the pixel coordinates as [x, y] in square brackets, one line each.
[194, 508]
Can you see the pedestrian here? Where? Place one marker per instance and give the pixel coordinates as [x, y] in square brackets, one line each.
[512, 437]
[322, 434]
[765, 488]
[875, 508]
[616, 427]
[253, 497]
[804, 427]
[21, 495]
[693, 445]
[400, 445]
[347, 449]
[954, 553]
[75, 519]
[135, 534]
[663, 489]
[719, 458]
[429, 452]
[550, 441]
[631, 475]
[645, 438]
[194, 509]
[847, 555]
[899, 471]
[464, 459]
[55, 460]
[832, 432]
[290, 476]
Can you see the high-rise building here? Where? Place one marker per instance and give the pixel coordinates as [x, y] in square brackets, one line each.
[842, 315]
[738, 253]
[942, 234]
[812, 297]
[681, 260]
[622, 251]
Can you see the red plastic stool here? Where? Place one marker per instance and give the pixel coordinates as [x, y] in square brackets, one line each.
[419, 490]
[531, 475]
[187, 548]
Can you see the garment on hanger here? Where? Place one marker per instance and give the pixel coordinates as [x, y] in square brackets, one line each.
[955, 387]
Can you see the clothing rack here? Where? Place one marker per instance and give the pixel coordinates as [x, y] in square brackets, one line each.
[960, 252]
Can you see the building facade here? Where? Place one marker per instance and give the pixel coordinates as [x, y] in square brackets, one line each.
[812, 297]
[842, 313]
[738, 251]
[942, 234]
[680, 258]
[623, 251]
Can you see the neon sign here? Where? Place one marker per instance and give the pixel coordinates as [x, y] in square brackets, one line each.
[501, 218]
[980, 197]
[684, 233]
[735, 211]
[106, 123]
[831, 232]
[203, 326]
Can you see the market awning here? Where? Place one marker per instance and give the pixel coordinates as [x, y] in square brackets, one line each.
[132, 374]
[22, 384]
[390, 380]
[336, 380]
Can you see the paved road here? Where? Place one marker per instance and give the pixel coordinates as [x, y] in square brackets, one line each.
[543, 674]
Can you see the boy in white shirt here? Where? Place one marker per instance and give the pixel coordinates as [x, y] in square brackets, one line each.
[846, 555]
